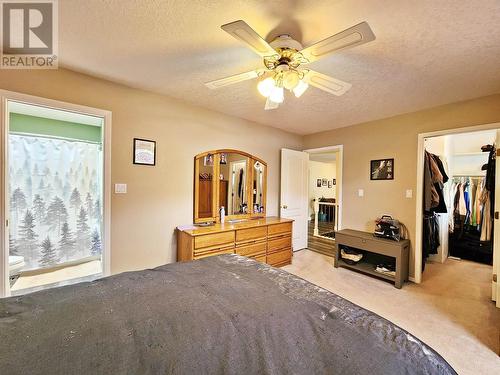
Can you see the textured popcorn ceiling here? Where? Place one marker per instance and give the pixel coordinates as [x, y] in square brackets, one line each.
[427, 53]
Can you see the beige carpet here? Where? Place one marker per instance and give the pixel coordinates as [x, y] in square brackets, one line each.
[451, 310]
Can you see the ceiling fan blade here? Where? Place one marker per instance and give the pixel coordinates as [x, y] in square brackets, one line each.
[243, 32]
[326, 83]
[271, 105]
[235, 79]
[351, 37]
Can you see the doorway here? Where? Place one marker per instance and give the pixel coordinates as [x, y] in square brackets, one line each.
[457, 185]
[316, 210]
[325, 169]
[55, 185]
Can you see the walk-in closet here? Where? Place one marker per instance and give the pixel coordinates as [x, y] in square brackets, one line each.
[458, 197]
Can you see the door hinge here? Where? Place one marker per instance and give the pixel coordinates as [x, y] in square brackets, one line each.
[498, 151]
[494, 277]
[497, 215]
[6, 223]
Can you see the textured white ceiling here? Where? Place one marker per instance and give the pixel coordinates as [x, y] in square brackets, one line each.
[427, 53]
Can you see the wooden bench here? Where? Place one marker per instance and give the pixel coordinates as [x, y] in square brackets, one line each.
[375, 250]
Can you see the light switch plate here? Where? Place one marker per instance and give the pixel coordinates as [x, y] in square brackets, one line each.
[120, 188]
[409, 193]
[361, 193]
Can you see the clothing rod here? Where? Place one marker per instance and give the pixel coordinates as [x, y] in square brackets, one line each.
[468, 175]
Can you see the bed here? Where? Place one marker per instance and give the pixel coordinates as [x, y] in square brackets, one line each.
[225, 314]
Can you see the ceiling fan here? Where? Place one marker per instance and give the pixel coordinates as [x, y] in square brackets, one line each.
[284, 60]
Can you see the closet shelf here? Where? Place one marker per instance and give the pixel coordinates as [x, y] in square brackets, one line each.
[470, 154]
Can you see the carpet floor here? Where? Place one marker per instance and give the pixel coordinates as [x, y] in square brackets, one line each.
[451, 310]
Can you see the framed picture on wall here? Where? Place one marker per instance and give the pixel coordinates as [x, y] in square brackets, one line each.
[330, 184]
[334, 181]
[318, 182]
[324, 182]
[382, 169]
[144, 152]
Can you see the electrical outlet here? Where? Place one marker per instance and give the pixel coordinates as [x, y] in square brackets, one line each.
[361, 193]
[409, 193]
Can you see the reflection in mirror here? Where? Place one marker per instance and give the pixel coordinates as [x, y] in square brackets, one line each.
[205, 186]
[258, 187]
[232, 184]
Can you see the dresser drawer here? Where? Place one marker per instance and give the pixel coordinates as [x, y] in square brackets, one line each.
[279, 244]
[279, 229]
[280, 258]
[261, 258]
[211, 240]
[213, 252]
[252, 249]
[251, 234]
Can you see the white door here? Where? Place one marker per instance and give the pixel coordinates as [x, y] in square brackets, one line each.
[495, 290]
[293, 199]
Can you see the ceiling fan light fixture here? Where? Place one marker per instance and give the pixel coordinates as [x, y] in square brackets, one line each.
[277, 95]
[266, 86]
[291, 80]
[300, 88]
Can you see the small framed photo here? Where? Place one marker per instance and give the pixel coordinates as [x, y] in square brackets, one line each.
[330, 184]
[144, 152]
[208, 160]
[382, 169]
[318, 182]
[334, 181]
[324, 182]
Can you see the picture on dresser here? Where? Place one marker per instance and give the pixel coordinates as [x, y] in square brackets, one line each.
[208, 160]
[382, 169]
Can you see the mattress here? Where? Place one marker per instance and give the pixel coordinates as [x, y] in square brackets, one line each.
[226, 314]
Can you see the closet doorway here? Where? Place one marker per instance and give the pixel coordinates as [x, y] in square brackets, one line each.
[458, 181]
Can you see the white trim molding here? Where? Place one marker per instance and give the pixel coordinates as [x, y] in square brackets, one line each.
[5, 97]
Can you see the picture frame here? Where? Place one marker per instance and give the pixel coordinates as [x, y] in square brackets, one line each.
[324, 182]
[144, 152]
[208, 160]
[330, 184]
[318, 182]
[382, 169]
[334, 181]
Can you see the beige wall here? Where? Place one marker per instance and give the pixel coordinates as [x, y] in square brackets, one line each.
[159, 198]
[396, 138]
[320, 170]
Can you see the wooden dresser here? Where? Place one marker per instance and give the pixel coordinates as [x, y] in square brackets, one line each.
[268, 240]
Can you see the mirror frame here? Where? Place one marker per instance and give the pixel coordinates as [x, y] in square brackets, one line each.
[215, 186]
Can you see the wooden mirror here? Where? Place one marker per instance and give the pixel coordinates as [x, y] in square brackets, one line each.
[231, 179]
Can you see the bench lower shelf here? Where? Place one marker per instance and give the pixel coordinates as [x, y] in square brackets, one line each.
[367, 268]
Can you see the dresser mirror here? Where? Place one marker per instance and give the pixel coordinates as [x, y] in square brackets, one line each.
[231, 179]
[258, 186]
[205, 185]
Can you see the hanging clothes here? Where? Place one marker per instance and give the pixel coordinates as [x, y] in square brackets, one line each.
[435, 202]
[430, 237]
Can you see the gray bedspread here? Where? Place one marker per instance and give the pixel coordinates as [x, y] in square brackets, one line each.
[221, 315]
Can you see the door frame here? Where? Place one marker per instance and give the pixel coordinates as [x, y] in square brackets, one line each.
[338, 172]
[420, 183]
[5, 97]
